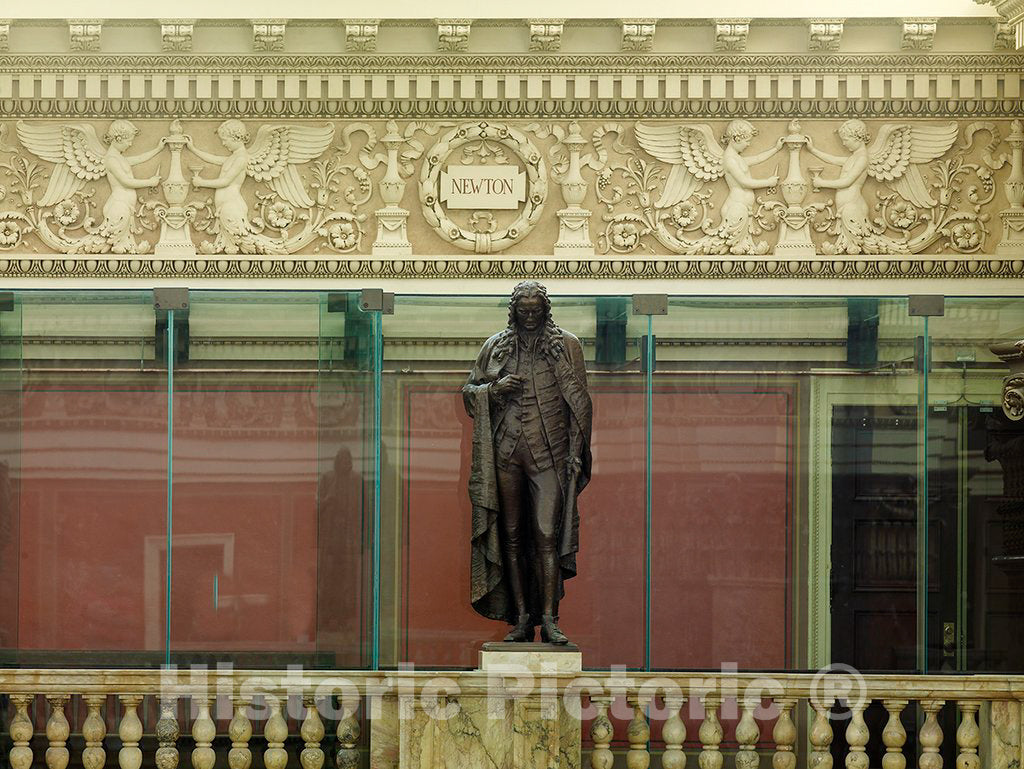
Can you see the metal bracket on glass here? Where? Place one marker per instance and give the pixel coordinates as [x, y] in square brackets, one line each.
[377, 300]
[171, 299]
[929, 305]
[176, 300]
[650, 304]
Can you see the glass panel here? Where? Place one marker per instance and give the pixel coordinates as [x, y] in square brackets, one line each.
[977, 590]
[347, 484]
[11, 371]
[84, 438]
[785, 467]
[269, 531]
[783, 429]
[430, 344]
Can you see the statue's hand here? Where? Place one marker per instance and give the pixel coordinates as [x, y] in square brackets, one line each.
[508, 384]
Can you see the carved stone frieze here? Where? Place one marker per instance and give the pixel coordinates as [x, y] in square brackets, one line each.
[824, 34]
[268, 34]
[361, 34]
[808, 197]
[176, 34]
[453, 34]
[546, 34]
[918, 34]
[5, 34]
[638, 34]
[85, 34]
[731, 34]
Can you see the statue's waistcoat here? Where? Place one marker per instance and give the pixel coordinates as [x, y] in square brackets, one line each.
[537, 413]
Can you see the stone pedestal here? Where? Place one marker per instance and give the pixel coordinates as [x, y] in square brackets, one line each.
[1012, 242]
[574, 233]
[392, 238]
[1004, 748]
[519, 724]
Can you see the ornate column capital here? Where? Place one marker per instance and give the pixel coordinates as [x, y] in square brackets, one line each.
[453, 34]
[361, 34]
[268, 34]
[85, 34]
[918, 34]
[824, 34]
[546, 34]
[638, 34]
[731, 34]
[1012, 353]
[176, 34]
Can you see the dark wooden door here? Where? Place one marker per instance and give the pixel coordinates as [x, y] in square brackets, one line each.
[875, 462]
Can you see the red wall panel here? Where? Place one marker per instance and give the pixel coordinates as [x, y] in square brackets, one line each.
[720, 523]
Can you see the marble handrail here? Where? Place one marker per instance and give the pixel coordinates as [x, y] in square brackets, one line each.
[302, 704]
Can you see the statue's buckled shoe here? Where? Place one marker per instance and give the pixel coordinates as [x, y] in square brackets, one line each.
[549, 632]
[522, 632]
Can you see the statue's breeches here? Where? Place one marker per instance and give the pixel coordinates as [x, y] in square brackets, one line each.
[530, 515]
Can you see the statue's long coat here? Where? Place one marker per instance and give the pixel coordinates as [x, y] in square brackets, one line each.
[488, 590]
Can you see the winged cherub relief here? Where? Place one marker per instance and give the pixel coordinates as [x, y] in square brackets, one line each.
[273, 157]
[695, 158]
[79, 157]
[893, 157]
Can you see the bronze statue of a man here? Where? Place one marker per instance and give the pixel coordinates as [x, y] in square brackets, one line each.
[527, 395]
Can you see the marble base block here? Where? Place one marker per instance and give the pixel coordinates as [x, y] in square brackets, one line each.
[531, 730]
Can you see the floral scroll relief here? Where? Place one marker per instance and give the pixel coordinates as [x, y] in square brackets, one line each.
[80, 157]
[401, 150]
[895, 156]
[933, 194]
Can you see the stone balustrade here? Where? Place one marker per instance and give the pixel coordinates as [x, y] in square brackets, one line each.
[194, 708]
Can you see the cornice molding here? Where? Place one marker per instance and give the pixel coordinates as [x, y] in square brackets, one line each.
[494, 267]
[539, 63]
[512, 108]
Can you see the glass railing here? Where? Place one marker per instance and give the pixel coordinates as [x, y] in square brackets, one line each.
[281, 478]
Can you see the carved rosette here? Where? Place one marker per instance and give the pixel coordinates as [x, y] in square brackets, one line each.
[536, 194]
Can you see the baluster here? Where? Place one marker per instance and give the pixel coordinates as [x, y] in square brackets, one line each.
[931, 735]
[276, 732]
[601, 733]
[857, 736]
[710, 734]
[21, 733]
[747, 734]
[784, 734]
[894, 736]
[167, 734]
[203, 732]
[348, 738]
[240, 732]
[638, 734]
[674, 735]
[57, 731]
[312, 731]
[130, 732]
[968, 736]
[94, 729]
[820, 737]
